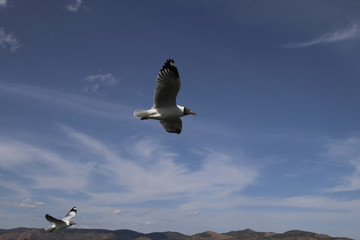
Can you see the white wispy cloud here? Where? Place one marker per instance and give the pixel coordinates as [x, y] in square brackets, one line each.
[347, 152]
[28, 203]
[314, 203]
[3, 3]
[43, 169]
[117, 212]
[115, 178]
[155, 174]
[131, 181]
[192, 213]
[74, 5]
[208, 194]
[100, 84]
[68, 101]
[8, 40]
[311, 202]
[338, 35]
[164, 178]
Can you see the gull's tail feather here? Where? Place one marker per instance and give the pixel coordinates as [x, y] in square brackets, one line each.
[141, 113]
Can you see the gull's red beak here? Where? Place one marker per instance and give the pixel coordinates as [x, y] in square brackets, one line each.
[193, 113]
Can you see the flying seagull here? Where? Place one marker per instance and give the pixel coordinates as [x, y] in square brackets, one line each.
[165, 108]
[63, 223]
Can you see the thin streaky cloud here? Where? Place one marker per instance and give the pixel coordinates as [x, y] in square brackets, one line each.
[336, 36]
[192, 213]
[68, 101]
[346, 152]
[219, 177]
[348, 183]
[74, 5]
[132, 181]
[117, 212]
[161, 178]
[3, 3]
[8, 40]
[100, 84]
[307, 202]
[28, 203]
[17, 155]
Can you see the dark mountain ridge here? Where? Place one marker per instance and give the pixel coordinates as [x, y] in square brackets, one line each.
[102, 234]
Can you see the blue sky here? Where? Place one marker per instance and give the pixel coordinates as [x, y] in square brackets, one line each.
[274, 147]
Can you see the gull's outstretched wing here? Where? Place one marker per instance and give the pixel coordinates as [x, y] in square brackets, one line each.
[167, 85]
[52, 219]
[70, 214]
[172, 126]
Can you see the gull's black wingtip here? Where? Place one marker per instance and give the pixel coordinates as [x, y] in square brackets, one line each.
[170, 64]
[177, 131]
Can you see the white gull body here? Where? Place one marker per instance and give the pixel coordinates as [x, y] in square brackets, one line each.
[165, 108]
[61, 223]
